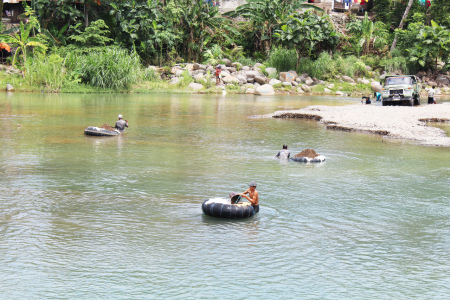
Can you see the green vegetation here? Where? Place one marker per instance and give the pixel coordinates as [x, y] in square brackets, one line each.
[112, 45]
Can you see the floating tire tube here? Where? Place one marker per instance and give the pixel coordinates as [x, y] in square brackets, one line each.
[316, 159]
[222, 208]
[97, 131]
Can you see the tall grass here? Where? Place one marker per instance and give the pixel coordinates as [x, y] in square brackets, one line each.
[282, 59]
[48, 72]
[113, 68]
[327, 66]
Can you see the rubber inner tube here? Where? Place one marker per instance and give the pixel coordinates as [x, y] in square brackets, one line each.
[222, 208]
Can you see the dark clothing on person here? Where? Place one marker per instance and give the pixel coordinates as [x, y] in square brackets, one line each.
[120, 125]
[256, 208]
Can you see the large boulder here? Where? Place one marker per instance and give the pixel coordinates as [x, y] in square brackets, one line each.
[242, 79]
[309, 81]
[271, 71]
[300, 90]
[199, 67]
[174, 81]
[237, 65]
[260, 79]
[195, 86]
[226, 61]
[257, 66]
[287, 76]
[249, 91]
[230, 79]
[328, 91]
[376, 87]
[265, 90]
[231, 69]
[288, 84]
[339, 93]
[251, 74]
[200, 78]
[179, 73]
[442, 80]
[306, 88]
[9, 87]
[347, 79]
[274, 81]
[225, 73]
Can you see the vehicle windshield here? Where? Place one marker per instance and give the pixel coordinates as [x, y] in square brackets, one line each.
[398, 80]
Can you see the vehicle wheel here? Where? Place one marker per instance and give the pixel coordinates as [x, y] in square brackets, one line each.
[384, 103]
[417, 100]
[410, 102]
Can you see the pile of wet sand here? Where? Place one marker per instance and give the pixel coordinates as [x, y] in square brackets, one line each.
[107, 127]
[307, 153]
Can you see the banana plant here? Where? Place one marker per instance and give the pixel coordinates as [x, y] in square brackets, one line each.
[267, 15]
[23, 40]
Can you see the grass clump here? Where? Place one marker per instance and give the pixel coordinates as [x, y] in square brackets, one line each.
[282, 59]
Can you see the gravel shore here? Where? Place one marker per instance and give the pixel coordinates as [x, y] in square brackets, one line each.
[397, 122]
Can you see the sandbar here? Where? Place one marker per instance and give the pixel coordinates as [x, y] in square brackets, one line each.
[395, 122]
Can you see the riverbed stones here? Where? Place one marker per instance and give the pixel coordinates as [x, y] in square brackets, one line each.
[250, 91]
[300, 90]
[265, 90]
[288, 84]
[9, 87]
[195, 86]
[330, 86]
[339, 93]
[327, 90]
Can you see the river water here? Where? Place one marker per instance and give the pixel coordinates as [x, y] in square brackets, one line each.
[120, 217]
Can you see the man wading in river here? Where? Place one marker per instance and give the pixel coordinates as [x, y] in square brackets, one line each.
[252, 196]
[121, 124]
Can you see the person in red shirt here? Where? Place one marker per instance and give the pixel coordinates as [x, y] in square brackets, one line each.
[217, 74]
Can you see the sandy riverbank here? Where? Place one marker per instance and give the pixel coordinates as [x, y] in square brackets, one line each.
[398, 122]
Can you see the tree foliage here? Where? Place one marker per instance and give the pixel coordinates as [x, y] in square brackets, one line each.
[308, 33]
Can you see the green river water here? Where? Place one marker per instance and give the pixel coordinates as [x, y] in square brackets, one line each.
[120, 217]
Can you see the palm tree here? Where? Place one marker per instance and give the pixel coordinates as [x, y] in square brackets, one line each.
[405, 15]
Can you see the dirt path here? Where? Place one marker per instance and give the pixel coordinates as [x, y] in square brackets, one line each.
[398, 122]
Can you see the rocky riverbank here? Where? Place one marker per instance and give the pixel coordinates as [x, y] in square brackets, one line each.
[396, 122]
[261, 80]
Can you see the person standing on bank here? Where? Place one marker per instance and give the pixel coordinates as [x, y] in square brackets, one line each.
[284, 153]
[252, 196]
[121, 124]
[217, 74]
[431, 93]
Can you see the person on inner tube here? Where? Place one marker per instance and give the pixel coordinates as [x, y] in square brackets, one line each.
[121, 124]
[252, 196]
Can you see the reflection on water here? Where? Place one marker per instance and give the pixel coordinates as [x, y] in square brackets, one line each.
[120, 217]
